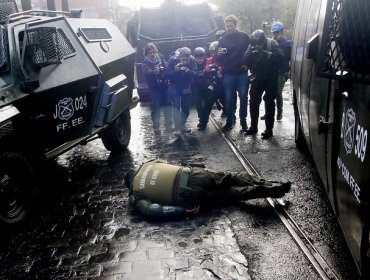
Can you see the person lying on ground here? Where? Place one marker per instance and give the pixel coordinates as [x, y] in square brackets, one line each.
[160, 190]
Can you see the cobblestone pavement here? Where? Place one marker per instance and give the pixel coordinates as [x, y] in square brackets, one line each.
[86, 231]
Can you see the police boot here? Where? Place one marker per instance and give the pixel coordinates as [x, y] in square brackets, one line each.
[278, 190]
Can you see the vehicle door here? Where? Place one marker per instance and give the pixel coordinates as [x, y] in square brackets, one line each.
[64, 94]
[346, 60]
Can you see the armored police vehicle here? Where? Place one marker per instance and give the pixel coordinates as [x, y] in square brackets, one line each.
[169, 27]
[63, 81]
[331, 90]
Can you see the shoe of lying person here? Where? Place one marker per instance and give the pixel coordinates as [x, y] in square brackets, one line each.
[278, 190]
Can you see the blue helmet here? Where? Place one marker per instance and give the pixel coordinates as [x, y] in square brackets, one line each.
[277, 26]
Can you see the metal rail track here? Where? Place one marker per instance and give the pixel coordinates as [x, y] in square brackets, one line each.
[312, 254]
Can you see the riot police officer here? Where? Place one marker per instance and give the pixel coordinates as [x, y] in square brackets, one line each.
[263, 58]
[160, 190]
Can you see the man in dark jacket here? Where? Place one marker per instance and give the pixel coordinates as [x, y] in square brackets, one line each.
[232, 47]
[263, 58]
[160, 190]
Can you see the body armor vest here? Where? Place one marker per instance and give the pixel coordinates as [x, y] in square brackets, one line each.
[157, 180]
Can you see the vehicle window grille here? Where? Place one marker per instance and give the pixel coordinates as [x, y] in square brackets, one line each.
[96, 34]
[346, 48]
[158, 24]
[179, 22]
[7, 7]
[195, 21]
[4, 59]
[48, 45]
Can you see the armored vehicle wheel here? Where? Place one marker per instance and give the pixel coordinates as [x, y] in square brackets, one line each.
[117, 136]
[17, 188]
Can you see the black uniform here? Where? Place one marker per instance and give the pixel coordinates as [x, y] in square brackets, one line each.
[264, 64]
[160, 190]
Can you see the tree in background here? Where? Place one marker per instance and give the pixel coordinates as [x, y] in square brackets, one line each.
[252, 14]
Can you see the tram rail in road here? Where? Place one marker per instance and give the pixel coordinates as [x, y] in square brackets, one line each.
[302, 240]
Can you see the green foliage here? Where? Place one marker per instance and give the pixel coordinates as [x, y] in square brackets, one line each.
[252, 14]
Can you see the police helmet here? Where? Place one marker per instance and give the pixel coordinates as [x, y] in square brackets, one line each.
[199, 52]
[184, 52]
[213, 46]
[258, 37]
[277, 26]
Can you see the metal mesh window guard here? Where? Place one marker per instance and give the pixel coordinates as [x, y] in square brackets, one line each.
[48, 45]
[4, 65]
[7, 7]
[182, 21]
[346, 44]
[194, 21]
[158, 24]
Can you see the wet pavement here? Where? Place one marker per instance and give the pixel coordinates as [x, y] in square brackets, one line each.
[85, 229]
